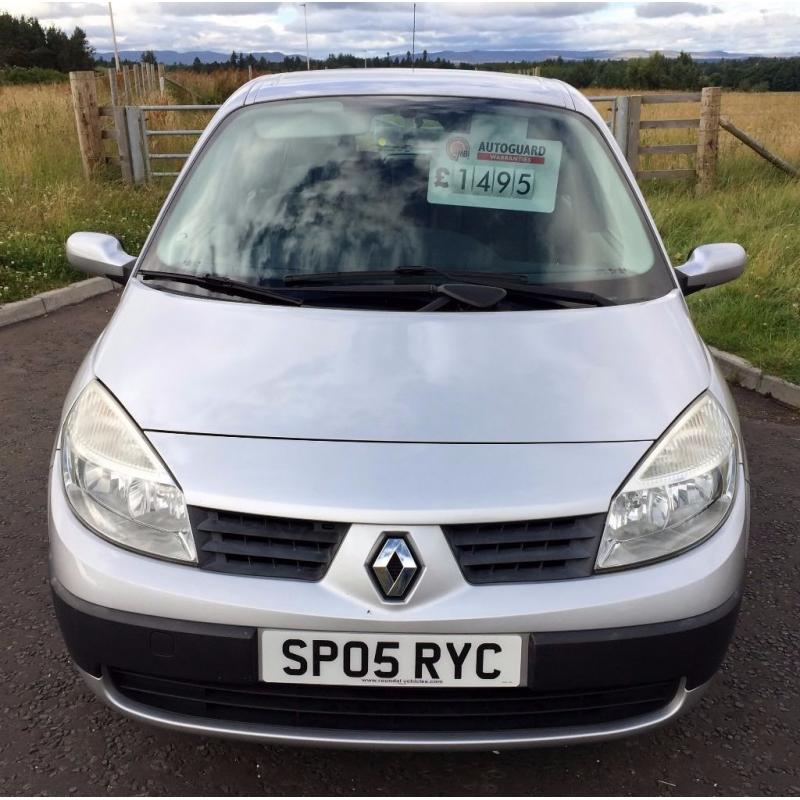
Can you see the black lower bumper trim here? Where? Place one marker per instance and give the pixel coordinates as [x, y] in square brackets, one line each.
[98, 636]
[210, 653]
[387, 709]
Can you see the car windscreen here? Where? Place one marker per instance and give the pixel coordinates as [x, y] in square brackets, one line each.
[353, 184]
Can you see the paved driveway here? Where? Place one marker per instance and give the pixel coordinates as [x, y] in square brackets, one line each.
[56, 739]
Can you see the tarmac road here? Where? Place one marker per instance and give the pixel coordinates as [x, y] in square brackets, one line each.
[56, 739]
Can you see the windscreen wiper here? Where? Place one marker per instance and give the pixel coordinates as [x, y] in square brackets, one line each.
[223, 285]
[514, 283]
[474, 293]
[557, 294]
[460, 276]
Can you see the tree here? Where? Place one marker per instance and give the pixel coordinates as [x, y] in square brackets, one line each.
[148, 57]
[24, 43]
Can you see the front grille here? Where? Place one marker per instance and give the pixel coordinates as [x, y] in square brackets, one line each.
[536, 550]
[391, 709]
[270, 547]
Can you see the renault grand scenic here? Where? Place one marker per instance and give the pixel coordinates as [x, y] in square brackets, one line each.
[401, 434]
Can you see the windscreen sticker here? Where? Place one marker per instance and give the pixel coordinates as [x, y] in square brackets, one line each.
[495, 166]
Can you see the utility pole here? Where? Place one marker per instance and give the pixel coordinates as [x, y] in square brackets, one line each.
[414, 37]
[305, 15]
[113, 35]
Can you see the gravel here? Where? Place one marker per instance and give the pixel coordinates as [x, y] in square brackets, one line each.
[55, 738]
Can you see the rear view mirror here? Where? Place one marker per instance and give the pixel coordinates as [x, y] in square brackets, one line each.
[711, 265]
[99, 254]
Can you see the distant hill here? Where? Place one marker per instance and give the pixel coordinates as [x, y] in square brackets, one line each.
[457, 56]
[500, 56]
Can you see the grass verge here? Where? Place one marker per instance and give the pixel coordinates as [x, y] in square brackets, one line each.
[757, 316]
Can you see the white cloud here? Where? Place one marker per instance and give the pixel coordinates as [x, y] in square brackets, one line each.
[375, 28]
[671, 9]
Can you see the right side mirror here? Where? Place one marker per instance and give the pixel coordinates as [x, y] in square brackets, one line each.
[711, 265]
[99, 254]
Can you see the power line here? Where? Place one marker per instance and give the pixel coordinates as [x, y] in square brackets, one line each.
[305, 15]
[113, 35]
[414, 37]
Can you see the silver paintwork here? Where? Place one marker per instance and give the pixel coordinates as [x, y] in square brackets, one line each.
[713, 264]
[610, 374]
[395, 549]
[430, 83]
[440, 601]
[98, 254]
[684, 699]
[398, 483]
[396, 419]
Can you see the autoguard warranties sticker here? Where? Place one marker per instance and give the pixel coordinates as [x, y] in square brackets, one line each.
[495, 166]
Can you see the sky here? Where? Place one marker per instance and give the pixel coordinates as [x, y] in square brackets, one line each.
[768, 27]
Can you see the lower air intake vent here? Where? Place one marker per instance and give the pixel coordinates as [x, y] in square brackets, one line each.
[385, 709]
[268, 547]
[536, 550]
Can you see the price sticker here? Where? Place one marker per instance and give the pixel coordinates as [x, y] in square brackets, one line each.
[495, 166]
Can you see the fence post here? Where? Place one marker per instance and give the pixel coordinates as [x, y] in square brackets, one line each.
[619, 122]
[123, 144]
[112, 85]
[137, 79]
[126, 82]
[137, 141]
[83, 85]
[632, 143]
[162, 81]
[249, 72]
[708, 137]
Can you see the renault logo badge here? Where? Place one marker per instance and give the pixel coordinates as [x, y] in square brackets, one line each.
[395, 567]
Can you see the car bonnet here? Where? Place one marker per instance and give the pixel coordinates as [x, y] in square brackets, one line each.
[190, 364]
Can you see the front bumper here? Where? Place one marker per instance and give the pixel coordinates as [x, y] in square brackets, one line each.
[582, 685]
[625, 651]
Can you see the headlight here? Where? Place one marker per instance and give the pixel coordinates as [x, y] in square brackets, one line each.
[679, 494]
[117, 484]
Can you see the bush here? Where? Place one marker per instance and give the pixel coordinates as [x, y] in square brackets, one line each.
[16, 76]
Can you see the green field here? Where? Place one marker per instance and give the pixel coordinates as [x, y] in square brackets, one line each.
[44, 198]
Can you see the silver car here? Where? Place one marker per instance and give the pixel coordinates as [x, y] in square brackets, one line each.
[401, 435]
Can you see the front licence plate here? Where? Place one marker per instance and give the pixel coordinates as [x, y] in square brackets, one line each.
[375, 659]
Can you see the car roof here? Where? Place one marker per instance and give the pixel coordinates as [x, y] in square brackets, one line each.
[432, 82]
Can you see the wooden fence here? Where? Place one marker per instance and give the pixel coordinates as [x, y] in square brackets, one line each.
[135, 82]
[628, 126]
[136, 128]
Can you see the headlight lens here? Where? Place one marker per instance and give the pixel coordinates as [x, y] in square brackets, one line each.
[680, 493]
[117, 484]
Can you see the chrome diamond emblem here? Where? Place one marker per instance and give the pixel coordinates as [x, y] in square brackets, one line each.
[395, 567]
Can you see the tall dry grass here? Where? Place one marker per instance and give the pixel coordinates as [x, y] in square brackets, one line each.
[44, 197]
[209, 87]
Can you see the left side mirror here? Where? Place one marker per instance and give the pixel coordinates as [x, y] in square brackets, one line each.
[99, 254]
[711, 265]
